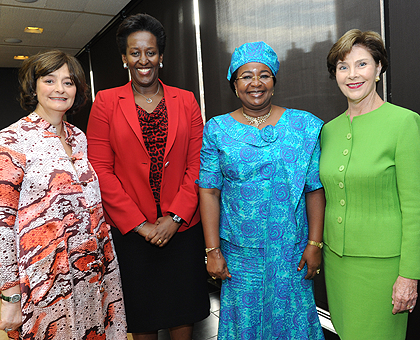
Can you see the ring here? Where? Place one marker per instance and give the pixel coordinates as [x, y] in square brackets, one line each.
[410, 307]
[318, 271]
[159, 241]
[214, 277]
[8, 329]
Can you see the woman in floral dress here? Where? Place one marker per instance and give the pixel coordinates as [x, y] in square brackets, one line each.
[262, 207]
[59, 277]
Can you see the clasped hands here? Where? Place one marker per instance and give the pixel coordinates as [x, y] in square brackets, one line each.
[160, 232]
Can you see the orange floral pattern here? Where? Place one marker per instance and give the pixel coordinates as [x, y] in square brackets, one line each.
[54, 240]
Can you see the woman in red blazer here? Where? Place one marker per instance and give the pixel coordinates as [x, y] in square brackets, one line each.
[144, 142]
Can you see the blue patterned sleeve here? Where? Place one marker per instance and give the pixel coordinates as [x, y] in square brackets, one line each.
[312, 176]
[210, 171]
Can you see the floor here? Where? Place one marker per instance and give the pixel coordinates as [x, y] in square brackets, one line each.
[206, 329]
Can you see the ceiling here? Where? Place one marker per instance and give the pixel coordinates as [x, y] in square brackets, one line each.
[68, 25]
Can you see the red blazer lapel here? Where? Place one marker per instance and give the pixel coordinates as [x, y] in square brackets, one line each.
[128, 108]
[172, 110]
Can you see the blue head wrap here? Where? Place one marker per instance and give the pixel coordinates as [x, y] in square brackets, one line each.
[254, 52]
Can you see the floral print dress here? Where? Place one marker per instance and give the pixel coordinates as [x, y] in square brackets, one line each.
[54, 239]
[263, 176]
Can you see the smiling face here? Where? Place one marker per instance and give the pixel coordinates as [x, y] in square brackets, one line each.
[356, 74]
[254, 93]
[143, 58]
[55, 93]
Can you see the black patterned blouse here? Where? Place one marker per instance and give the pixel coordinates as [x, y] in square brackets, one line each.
[154, 127]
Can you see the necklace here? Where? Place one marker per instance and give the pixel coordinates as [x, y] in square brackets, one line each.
[148, 99]
[257, 121]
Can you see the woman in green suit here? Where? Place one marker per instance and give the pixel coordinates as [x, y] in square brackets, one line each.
[370, 169]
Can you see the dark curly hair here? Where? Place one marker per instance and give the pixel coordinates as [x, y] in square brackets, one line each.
[43, 64]
[372, 41]
[140, 22]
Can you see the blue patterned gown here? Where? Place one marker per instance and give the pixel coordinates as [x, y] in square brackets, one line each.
[263, 176]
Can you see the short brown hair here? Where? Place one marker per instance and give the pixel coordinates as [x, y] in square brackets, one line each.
[372, 41]
[44, 63]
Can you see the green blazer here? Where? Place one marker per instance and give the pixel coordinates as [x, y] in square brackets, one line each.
[370, 169]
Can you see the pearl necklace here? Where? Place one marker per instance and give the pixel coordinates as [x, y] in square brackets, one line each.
[257, 121]
[148, 99]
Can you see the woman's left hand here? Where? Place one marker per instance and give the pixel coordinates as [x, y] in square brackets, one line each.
[404, 295]
[312, 256]
[11, 316]
[165, 229]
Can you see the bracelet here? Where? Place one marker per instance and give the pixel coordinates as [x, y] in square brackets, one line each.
[141, 225]
[320, 245]
[208, 250]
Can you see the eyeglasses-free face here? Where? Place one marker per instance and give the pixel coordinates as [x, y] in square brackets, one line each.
[356, 74]
[143, 59]
[55, 93]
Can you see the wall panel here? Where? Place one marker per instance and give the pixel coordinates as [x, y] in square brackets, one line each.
[180, 59]
[300, 31]
[404, 71]
[10, 108]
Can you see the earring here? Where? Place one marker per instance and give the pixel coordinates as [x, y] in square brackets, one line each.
[34, 94]
[272, 93]
[377, 78]
[161, 65]
[125, 66]
[236, 92]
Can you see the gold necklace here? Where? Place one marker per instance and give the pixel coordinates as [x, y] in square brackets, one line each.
[257, 121]
[148, 99]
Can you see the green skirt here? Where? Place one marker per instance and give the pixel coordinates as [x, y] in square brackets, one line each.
[359, 292]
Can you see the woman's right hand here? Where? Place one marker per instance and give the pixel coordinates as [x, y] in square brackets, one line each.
[147, 228]
[217, 266]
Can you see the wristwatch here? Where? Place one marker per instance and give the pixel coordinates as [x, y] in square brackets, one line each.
[13, 299]
[176, 219]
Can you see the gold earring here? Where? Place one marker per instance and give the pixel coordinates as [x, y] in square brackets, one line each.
[236, 91]
[377, 78]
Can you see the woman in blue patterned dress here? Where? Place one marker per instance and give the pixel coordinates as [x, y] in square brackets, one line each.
[262, 207]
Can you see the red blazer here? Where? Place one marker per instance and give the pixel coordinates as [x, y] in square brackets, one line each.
[119, 156]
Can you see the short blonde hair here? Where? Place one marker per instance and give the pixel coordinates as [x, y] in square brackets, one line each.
[372, 41]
